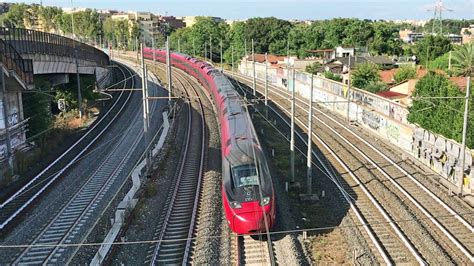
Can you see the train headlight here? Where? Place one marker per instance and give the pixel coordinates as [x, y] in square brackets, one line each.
[265, 201]
[235, 205]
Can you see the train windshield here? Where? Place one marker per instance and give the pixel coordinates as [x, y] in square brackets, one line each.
[245, 175]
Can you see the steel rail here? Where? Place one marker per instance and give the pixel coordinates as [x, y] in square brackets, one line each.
[173, 203]
[453, 239]
[354, 208]
[31, 183]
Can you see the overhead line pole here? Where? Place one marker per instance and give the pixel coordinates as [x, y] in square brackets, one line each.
[146, 122]
[266, 78]
[464, 132]
[153, 48]
[254, 78]
[79, 94]
[349, 90]
[309, 174]
[210, 48]
[222, 62]
[292, 138]
[232, 51]
[168, 62]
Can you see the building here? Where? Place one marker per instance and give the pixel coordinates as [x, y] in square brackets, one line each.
[191, 20]
[173, 22]
[4, 7]
[327, 55]
[147, 22]
[409, 36]
[467, 34]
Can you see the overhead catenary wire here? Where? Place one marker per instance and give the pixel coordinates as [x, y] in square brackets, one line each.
[279, 232]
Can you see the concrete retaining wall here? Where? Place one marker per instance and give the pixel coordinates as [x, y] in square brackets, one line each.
[381, 116]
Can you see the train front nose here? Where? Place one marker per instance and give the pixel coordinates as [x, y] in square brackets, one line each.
[251, 222]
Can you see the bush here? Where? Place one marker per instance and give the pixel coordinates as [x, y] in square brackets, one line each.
[404, 73]
[333, 76]
[364, 74]
[375, 87]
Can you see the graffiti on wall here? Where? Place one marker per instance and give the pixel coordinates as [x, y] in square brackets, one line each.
[372, 119]
[443, 155]
[3, 151]
[13, 116]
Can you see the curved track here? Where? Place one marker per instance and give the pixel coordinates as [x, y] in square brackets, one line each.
[448, 226]
[177, 222]
[25, 196]
[71, 222]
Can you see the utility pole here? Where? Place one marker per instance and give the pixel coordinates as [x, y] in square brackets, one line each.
[210, 48]
[288, 64]
[266, 79]
[232, 51]
[153, 50]
[292, 139]
[309, 163]
[7, 127]
[179, 45]
[449, 61]
[146, 121]
[79, 95]
[168, 62]
[348, 90]
[464, 132]
[205, 51]
[245, 46]
[194, 49]
[254, 79]
[222, 62]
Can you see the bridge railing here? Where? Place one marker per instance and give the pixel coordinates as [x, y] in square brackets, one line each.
[36, 42]
[10, 58]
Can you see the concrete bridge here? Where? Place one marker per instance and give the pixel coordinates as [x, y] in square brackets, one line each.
[25, 54]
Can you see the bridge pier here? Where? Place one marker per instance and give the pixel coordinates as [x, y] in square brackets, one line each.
[12, 123]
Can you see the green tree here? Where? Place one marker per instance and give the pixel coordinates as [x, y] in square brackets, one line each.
[313, 68]
[376, 86]
[463, 58]
[444, 115]
[404, 73]
[50, 17]
[15, 16]
[269, 34]
[364, 74]
[200, 35]
[431, 47]
[386, 40]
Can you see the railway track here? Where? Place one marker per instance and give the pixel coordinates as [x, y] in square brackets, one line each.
[254, 250]
[453, 231]
[11, 208]
[73, 222]
[176, 225]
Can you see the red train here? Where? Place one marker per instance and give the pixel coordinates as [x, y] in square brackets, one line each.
[247, 190]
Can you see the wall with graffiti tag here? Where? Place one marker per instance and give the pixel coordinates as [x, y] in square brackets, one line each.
[386, 118]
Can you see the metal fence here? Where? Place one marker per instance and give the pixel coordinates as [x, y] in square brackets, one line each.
[13, 61]
[37, 42]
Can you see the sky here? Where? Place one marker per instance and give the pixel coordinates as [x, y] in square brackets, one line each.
[285, 9]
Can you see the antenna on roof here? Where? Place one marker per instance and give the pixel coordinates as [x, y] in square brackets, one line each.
[438, 17]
